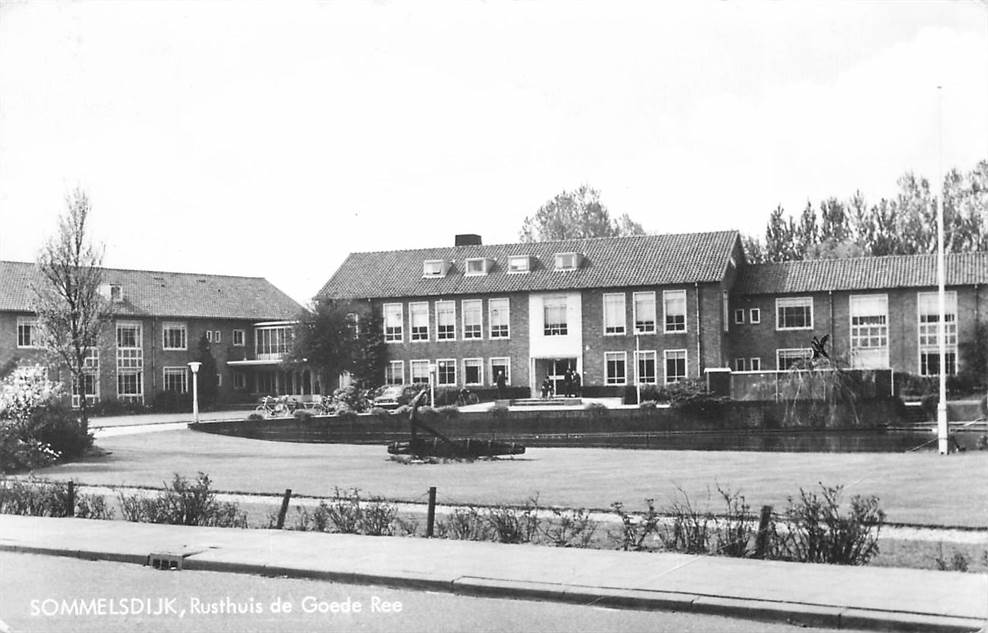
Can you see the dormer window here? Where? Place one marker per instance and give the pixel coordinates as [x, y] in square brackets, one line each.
[519, 264]
[111, 292]
[434, 268]
[477, 266]
[567, 261]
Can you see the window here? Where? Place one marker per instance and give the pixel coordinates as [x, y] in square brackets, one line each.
[929, 341]
[446, 320]
[755, 364]
[130, 362]
[501, 365]
[419, 370]
[238, 338]
[755, 315]
[173, 336]
[567, 261]
[446, 371]
[498, 315]
[740, 364]
[240, 380]
[418, 314]
[219, 380]
[787, 359]
[615, 372]
[209, 336]
[473, 318]
[739, 316]
[175, 379]
[90, 379]
[392, 323]
[217, 336]
[519, 264]
[794, 314]
[675, 364]
[473, 371]
[27, 333]
[352, 323]
[554, 316]
[273, 342]
[476, 266]
[646, 367]
[434, 268]
[674, 307]
[869, 331]
[116, 293]
[394, 373]
[644, 310]
[614, 313]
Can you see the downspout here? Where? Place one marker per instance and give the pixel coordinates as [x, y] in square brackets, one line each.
[830, 298]
[154, 384]
[699, 345]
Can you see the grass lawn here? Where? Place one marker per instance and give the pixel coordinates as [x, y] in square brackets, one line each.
[920, 488]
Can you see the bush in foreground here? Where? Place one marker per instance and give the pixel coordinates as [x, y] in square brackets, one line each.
[184, 502]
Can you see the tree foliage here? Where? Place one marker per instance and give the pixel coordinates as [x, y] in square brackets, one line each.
[71, 310]
[902, 225]
[341, 336]
[576, 214]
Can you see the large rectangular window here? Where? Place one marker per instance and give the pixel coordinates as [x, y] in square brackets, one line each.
[869, 331]
[614, 313]
[786, 359]
[273, 342]
[674, 309]
[554, 314]
[646, 367]
[90, 380]
[473, 371]
[794, 314]
[675, 360]
[929, 340]
[130, 362]
[473, 319]
[238, 338]
[393, 318]
[446, 371]
[446, 320]
[27, 333]
[615, 368]
[644, 312]
[498, 314]
[499, 366]
[394, 372]
[173, 336]
[419, 370]
[418, 315]
[175, 379]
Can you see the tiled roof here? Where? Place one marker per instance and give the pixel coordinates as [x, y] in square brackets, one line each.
[641, 260]
[151, 293]
[861, 273]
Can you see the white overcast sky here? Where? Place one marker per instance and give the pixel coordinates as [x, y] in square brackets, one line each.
[272, 138]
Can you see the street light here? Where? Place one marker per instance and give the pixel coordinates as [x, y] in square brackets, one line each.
[942, 433]
[432, 385]
[194, 366]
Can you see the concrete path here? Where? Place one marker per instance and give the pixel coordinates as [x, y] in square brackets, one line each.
[818, 595]
[146, 419]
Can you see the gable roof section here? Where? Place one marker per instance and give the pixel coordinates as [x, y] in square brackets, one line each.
[861, 273]
[164, 294]
[641, 260]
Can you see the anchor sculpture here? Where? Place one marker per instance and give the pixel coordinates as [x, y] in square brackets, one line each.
[441, 446]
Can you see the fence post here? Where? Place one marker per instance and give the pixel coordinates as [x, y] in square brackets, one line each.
[761, 539]
[70, 500]
[430, 520]
[284, 508]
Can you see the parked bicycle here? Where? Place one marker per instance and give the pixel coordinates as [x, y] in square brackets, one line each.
[276, 406]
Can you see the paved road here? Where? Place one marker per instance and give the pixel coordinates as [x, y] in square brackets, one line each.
[29, 581]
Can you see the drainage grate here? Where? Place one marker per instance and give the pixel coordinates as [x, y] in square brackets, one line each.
[165, 562]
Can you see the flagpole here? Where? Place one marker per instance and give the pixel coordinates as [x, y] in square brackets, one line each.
[941, 283]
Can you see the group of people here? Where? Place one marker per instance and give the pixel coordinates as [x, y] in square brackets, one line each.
[571, 385]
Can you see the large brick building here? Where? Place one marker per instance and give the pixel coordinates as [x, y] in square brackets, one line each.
[158, 320]
[679, 304]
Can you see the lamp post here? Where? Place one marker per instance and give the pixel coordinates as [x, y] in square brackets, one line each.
[432, 385]
[638, 378]
[941, 282]
[194, 366]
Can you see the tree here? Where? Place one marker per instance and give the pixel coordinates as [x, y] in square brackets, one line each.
[341, 336]
[209, 384]
[576, 214]
[71, 310]
[780, 237]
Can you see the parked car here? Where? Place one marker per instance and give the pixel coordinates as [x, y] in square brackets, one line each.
[388, 399]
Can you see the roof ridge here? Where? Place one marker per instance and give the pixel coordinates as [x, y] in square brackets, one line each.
[152, 272]
[868, 258]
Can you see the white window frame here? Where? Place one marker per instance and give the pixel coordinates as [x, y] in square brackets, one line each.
[620, 329]
[209, 336]
[478, 262]
[174, 326]
[413, 336]
[239, 381]
[480, 372]
[793, 302]
[560, 261]
[446, 363]
[90, 367]
[130, 359]
[399, 335]
[217, 336]
[740, 364]
[31, 324]
[930, 330]
[440, 308]
[433, 268]
[608, 380]
[519, 264]
[647, 296]
[418, 363]
[856, 330]
[755, 363]
[739, 316]
[666, 295]
[507, 369]
[492, 305]
[665, 365]
[755, 316]
[243, 338]
[644, 354]
[400, 364]
[476, 331]
[806, 353]
[559, 329]
[175, 371]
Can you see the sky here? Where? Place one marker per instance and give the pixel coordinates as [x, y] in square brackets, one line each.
[273, 138]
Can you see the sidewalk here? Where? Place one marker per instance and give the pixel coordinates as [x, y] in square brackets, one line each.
[144, 419]
[818, 595]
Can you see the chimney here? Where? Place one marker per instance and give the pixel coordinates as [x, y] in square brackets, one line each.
[467, 239]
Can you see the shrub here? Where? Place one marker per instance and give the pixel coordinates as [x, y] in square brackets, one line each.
[635, 528]
[736, 529]
[499, 411]
[61, 429]
[515, 525]
[957, 562]
[184, 502]
[465, 525]
[34, 498]
[28, 402]
[691, 531]
[255, 417]
[93, 507]
[449, 412]
[347, 513]
[350, 399]
[595, 409]
[570, 528]
[379, 412]
[648, 405]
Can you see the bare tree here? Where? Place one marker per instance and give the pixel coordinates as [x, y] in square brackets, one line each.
[67, 299]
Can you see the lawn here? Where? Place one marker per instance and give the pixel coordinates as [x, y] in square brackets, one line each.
[922, 488]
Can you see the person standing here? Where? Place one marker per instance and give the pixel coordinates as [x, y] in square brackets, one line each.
[568, 383]
[500, 381]
[577, 386]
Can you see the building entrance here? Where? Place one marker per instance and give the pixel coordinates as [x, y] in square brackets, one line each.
[555, 368]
